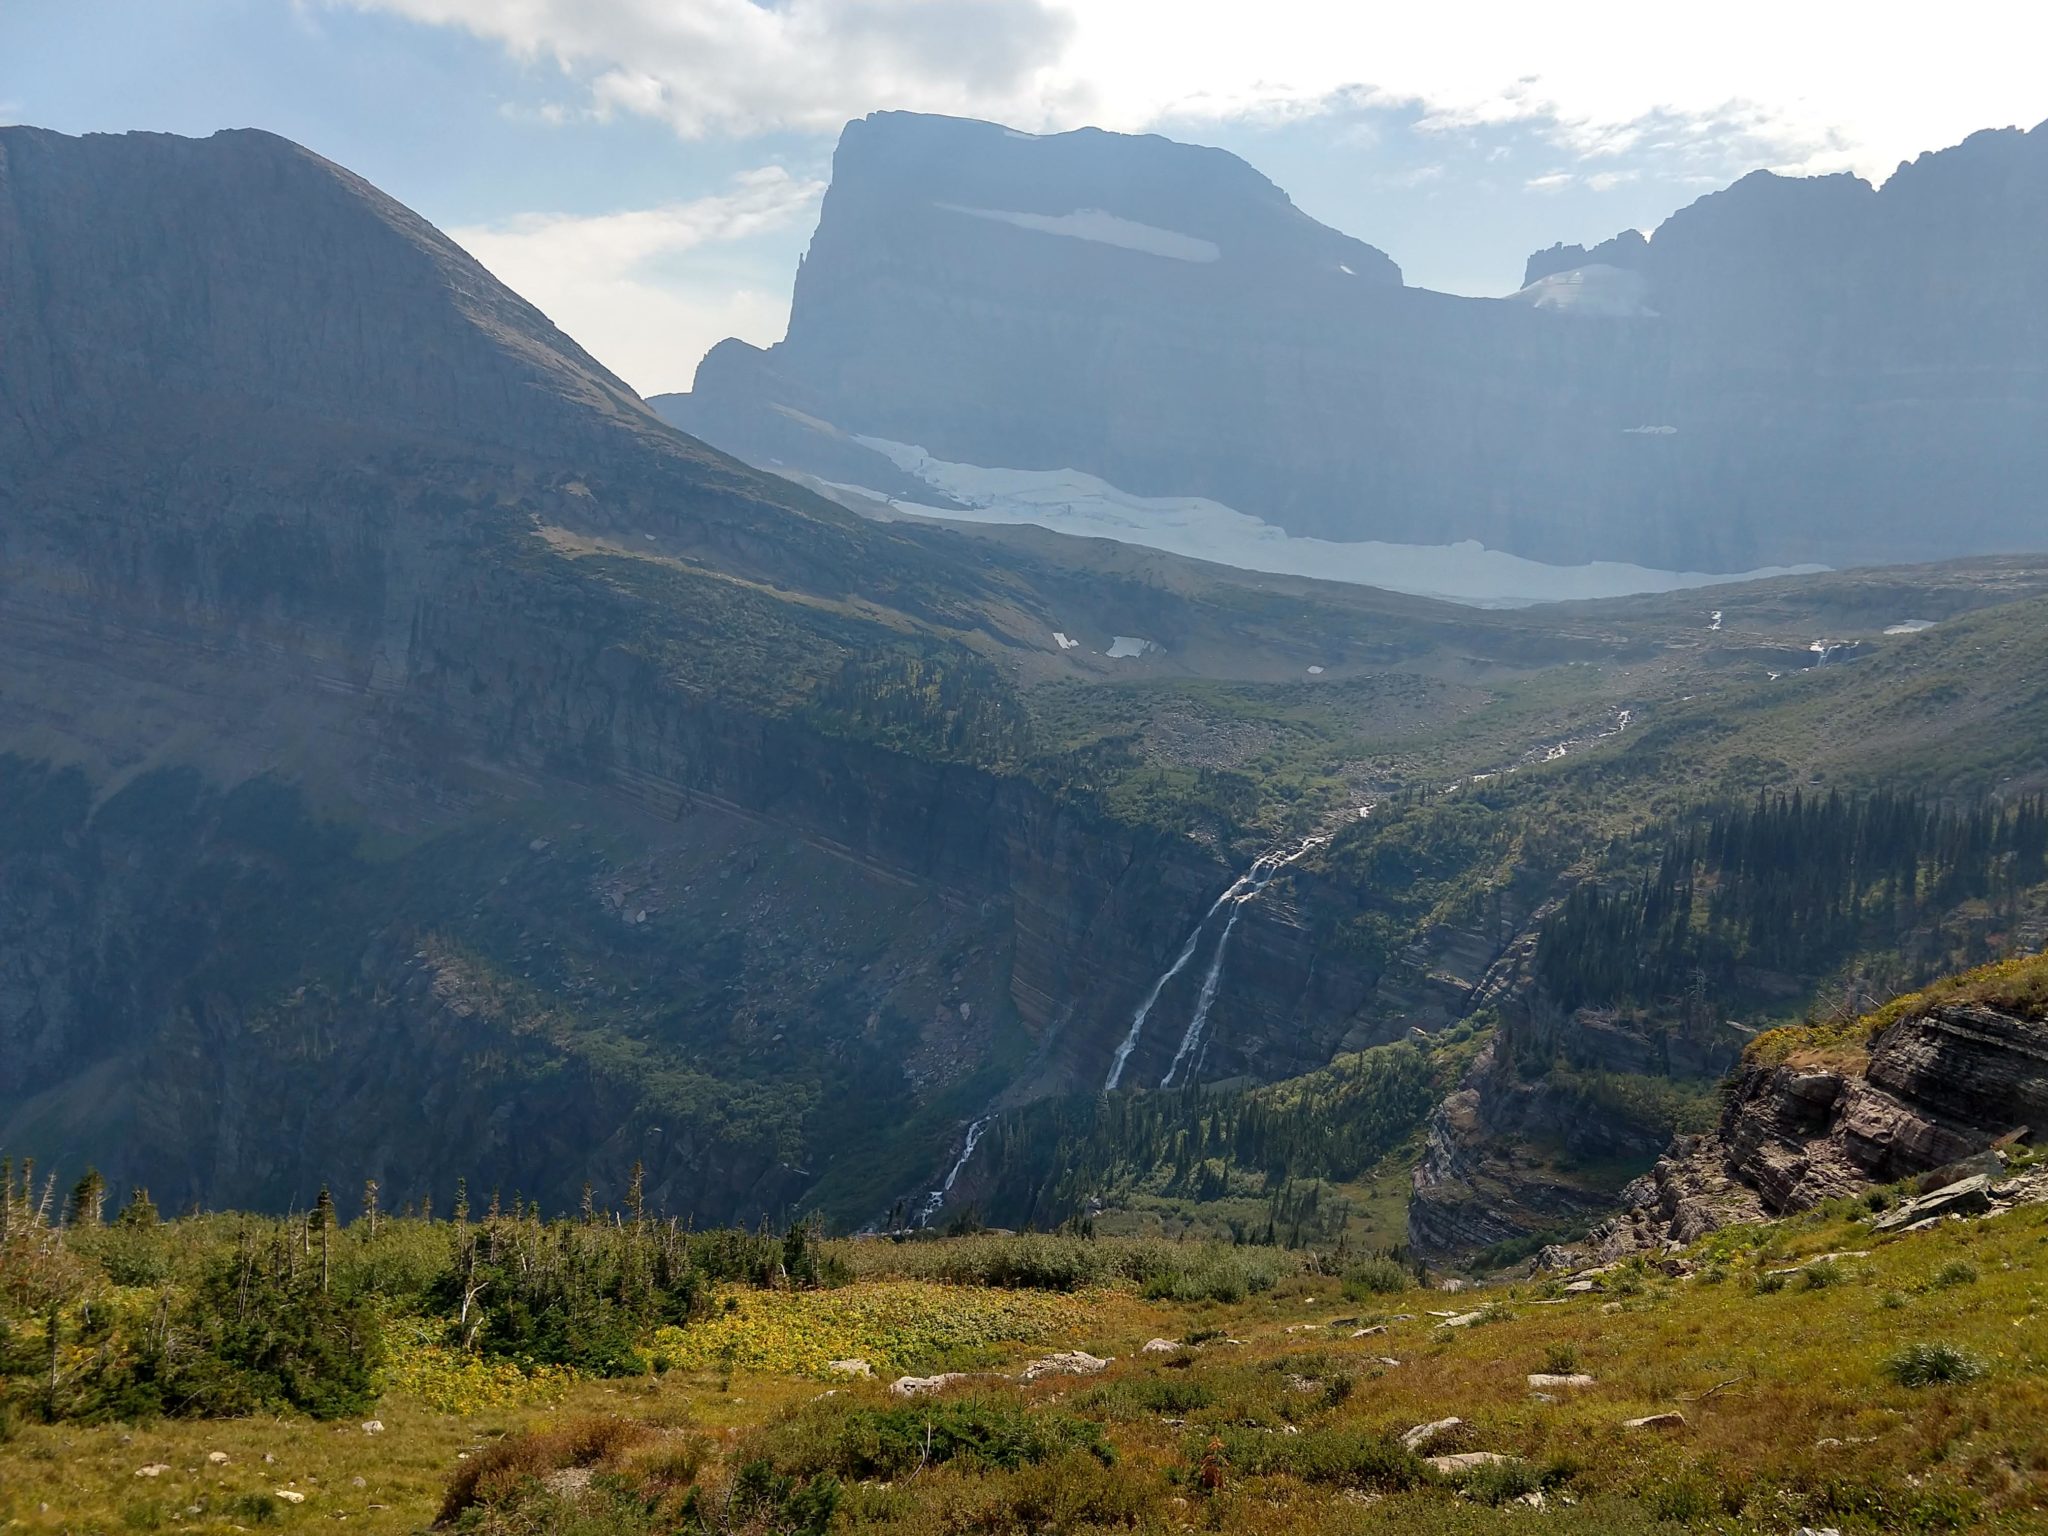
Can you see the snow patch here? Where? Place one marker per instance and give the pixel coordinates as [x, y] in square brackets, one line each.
[1121, 646]
[1100, 228]
[1315, 671]
[1649, 431]
[1909, 626]
[1717, 620]
[1596, 289]
[1072, 502]
[1064, 643]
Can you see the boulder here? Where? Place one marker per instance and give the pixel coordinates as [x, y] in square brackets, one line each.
[1465, 1461]
[850, 1367]
[1072, 1362]
[1159, 1347]
[1419, 1436]
[921, 1386]
[1966, 1197]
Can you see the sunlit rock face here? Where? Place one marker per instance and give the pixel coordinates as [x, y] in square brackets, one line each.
[1791, 371]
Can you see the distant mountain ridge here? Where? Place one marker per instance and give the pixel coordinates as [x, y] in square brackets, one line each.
[1789, 371]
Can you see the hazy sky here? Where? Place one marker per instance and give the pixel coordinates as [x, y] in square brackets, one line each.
[648, 171]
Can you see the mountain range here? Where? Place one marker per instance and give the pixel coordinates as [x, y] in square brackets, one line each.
[1146, 340]
[419, 761]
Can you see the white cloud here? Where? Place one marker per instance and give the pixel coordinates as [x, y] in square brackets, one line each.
[615, 282]
[1556, 181]
[1817, 85]
[707, 66]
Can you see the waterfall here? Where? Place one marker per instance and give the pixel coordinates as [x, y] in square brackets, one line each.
[1256, 880]
[1204, 1001]
[1242, 890]
[1187, 953]
[937, 1198]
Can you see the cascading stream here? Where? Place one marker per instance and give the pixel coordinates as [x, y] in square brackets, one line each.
[1243, 889]
[1187, 953]
[936, 1199]
[1261, 875]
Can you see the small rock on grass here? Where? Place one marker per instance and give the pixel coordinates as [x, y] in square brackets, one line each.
[218, 1458]
[154, 1469]
[1656, 1421]
[290, 1495]
[1545, 1379]
[1159, 1347]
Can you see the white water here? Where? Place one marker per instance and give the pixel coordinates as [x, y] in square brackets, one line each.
[1130, 1040]
[1242, 890]
[937, 1198]
[1206, 999]
[1260, 876]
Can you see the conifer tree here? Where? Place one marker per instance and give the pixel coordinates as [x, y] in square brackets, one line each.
[321, 1219]
[88, 1200]
[140, 1211]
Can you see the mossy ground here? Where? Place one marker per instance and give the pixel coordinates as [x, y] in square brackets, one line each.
[1791, 1414]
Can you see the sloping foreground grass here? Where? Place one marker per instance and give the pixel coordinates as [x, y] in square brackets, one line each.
[1801, 1398]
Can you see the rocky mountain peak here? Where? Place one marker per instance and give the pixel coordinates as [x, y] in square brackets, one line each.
[147, 272]
[1083, 201]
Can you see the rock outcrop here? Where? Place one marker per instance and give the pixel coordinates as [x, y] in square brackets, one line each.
[1938, 1091]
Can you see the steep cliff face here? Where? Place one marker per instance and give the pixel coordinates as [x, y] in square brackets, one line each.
[1555, 1115]
[1788, 371]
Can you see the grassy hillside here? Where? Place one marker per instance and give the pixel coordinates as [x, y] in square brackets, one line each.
[1804, 1373]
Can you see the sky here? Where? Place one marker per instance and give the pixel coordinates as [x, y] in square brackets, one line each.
[649, 171]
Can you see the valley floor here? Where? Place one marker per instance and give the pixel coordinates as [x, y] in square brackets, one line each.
[1753, 1383]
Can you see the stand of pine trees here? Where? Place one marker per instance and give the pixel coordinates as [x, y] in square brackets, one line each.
[136, 1318]
[1796, 885]
[1048, 1163]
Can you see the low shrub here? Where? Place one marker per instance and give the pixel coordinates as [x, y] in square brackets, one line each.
[979, 1432]
[1337, 1457]
[1375, 1277]
[1933, 1364]
[504, 1468]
